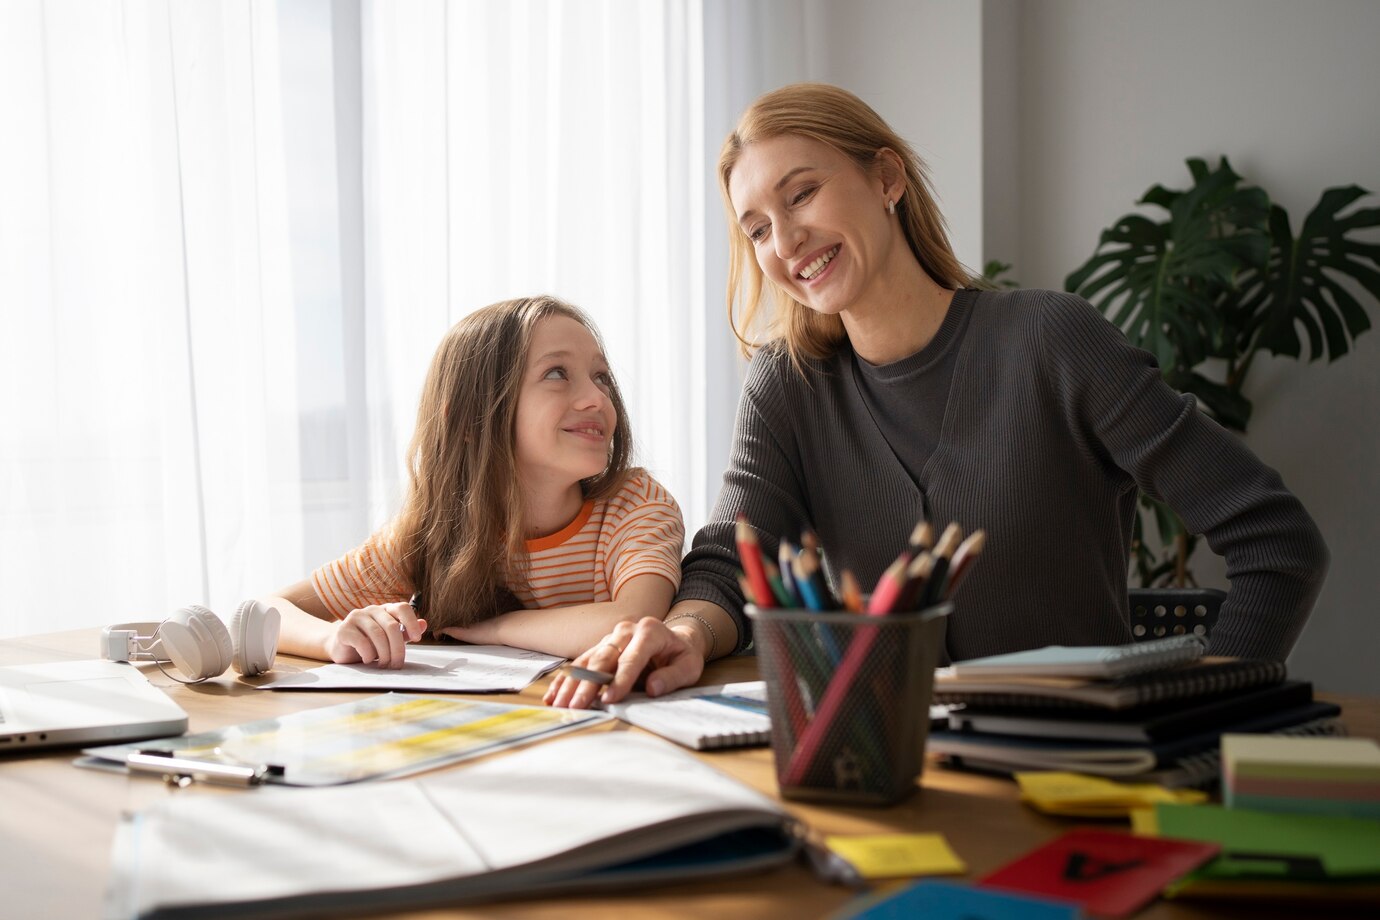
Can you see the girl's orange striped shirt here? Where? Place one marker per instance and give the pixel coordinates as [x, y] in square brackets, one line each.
[637, 531]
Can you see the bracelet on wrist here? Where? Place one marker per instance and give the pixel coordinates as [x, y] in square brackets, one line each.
[713, 637]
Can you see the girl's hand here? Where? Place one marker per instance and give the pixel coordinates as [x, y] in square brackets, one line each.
[376, 635]
[632, 649]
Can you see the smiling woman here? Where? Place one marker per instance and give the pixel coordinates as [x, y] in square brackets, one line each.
[523, 525]
[890, 389]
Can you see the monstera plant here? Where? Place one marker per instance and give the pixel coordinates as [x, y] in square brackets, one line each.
[1222, 276]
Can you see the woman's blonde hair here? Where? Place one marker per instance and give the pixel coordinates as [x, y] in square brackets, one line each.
[461, 528]
[840, 119]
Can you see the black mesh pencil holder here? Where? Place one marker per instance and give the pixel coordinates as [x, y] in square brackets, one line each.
[849, 697]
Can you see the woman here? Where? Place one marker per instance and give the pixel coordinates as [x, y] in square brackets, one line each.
[891, 392]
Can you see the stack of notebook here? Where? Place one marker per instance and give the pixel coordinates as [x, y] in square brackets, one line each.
[1145, 712]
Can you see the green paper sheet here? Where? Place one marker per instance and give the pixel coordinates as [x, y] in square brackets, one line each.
[1309, 847]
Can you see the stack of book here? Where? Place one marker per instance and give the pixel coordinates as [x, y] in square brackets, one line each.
[1146, 712]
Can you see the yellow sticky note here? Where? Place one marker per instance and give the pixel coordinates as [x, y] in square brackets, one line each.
[1087, 796]
[896, 855]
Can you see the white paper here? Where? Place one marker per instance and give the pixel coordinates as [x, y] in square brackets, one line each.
[571, 805]
[454, 669]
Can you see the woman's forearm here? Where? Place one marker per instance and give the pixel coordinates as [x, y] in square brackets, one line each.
[706, 626]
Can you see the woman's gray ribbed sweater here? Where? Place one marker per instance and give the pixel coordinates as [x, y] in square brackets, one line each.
[1052, 420]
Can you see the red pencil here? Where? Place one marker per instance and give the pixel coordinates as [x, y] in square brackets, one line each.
[750, 555]
[890, 586]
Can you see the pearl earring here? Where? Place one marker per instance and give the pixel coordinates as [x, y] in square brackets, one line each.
[890, 206]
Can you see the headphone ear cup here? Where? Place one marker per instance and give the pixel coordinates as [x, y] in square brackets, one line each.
[214, 649]
[254, 628]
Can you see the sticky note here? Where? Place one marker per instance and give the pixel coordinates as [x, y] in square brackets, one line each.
[897, 855]
[1094, 797]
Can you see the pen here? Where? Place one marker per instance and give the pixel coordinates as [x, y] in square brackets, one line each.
[602, 678]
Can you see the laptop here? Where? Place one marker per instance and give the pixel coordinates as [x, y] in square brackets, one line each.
[82, 702]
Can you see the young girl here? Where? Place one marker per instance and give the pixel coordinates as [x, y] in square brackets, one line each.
[523, 525]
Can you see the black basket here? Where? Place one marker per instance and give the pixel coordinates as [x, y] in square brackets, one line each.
[1160, 612]
[849, 697]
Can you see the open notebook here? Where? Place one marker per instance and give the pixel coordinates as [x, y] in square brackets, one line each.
[727, 715]
[606, 810]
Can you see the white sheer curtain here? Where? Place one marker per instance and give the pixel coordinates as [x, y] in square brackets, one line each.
[529, 147]
[148, 448]
[232, 233]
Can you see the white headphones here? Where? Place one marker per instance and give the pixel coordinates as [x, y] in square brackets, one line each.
[198, 643]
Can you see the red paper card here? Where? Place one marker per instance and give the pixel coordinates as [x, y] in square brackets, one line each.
[1110, 874]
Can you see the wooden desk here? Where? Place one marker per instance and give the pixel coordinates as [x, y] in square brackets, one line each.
[57, 821]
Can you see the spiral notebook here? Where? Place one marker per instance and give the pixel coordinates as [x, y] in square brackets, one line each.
[727, 715]
[1206, 677]
[1101, 661]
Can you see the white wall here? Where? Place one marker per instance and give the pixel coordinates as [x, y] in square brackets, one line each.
[1045, 121]
[1113, 97]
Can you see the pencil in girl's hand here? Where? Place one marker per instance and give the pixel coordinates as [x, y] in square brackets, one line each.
[785, 556]
[890, 586]
[943, 555]
[750, 555]
[922, 537]
[852, 593]
[964, 557]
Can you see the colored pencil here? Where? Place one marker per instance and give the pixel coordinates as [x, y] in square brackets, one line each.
[890, 586]
[750, 555]
[964, 557]
[785, 556]
[917, 580]
[778, 585]
[943, 555]
[922, 537]
[852, 593]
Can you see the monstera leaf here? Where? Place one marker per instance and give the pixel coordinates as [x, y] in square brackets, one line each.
[1223, 276]
[1161, 282]
[1301, 284]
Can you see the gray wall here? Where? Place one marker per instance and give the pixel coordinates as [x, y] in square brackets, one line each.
[1084, 104]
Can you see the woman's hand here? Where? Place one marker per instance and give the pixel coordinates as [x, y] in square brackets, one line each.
[668, 658]
[376, 635]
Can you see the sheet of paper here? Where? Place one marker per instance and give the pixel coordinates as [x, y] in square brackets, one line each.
[1111, 874]
[386, 735]
[450, 669]
[897, 855]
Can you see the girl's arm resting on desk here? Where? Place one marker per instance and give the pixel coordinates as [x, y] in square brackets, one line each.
[376, 634]
[671, 654]
[568, 631]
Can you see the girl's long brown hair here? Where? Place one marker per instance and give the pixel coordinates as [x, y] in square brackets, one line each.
[840, 119]
[461, 528]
